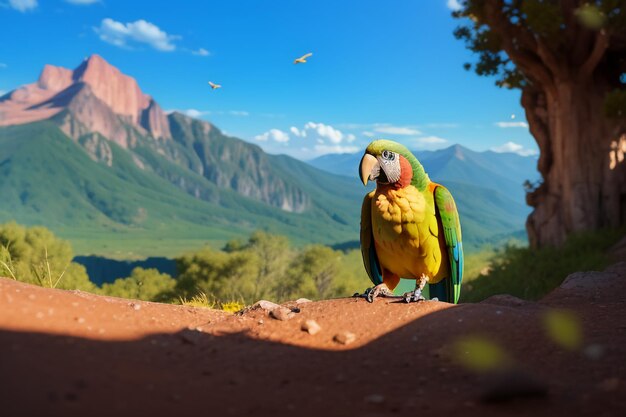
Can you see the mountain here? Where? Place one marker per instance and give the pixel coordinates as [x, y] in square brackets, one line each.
[487, 186]
[86, 153]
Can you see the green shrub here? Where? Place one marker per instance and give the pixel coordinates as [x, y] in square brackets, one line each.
[36, 256]
[531, 273]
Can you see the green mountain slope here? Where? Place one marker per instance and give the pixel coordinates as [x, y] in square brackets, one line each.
[48, 179]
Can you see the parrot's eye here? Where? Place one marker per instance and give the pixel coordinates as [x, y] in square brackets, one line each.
[388, 155]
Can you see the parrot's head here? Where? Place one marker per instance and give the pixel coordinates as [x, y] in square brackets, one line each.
[391, 163]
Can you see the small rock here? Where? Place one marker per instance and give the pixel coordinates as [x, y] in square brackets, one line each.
[311, 327]
[135, 306]
[80, 319]
[302, 300]
[344, 338]
[265, 305]
[260, 321]
[282, 313]
[375, 399]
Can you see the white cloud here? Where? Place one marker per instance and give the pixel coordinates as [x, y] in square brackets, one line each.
[3, 65]
[189, 112]
[23, 5]
[513, 147]
[453, 5]
[325, 131]
[201, 52]
[297, 132]
[140, 31]
[195, 113]
[321, 138]
[369, 134]
[238, 113]
[82, 2]
[511, 124]
[397, 130]
[274, 134]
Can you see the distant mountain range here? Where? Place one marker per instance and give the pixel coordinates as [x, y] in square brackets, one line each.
[86, 153]
[486, 185]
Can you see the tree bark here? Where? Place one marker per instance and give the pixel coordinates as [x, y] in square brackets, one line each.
[582, 162]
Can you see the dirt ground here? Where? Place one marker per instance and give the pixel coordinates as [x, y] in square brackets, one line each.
[69, 353]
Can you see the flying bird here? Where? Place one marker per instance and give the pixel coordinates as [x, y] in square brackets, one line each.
[214, 86]
[410, 227]
[302, 59]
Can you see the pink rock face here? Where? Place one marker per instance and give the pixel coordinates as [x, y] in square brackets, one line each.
[54, 78]
[57, 89]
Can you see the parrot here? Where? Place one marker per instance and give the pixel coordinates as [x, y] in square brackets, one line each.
[410, 227]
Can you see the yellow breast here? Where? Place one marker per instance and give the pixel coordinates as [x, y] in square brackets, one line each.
[407, 236]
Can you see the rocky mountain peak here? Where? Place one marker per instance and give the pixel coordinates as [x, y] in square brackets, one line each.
[57, 88]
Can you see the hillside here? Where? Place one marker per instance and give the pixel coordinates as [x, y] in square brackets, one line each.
[50, 180]
[77, 354]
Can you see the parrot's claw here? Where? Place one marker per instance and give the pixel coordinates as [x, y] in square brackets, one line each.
[413, 296]
[370, 294]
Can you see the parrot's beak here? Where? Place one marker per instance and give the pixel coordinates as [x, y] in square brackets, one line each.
[367, 167]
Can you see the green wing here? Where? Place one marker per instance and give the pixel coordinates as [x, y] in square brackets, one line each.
[446, 208]
[368, 250]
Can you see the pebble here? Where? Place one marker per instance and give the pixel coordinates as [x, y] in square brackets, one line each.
[135, 306]
[80, 319]
[282, 313]
[310, 326]
[265, 305]
[302, 300]
[344, 338]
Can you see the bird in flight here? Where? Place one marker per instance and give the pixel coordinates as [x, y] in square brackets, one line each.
[214, 86]
[302, 59]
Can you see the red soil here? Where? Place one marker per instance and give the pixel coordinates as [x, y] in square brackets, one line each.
[69, 353]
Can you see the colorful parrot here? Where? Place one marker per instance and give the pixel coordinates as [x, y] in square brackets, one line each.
[410, 227]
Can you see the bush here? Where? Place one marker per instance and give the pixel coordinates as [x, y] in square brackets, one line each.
[143, 284]
[36, 256]
[532, 273]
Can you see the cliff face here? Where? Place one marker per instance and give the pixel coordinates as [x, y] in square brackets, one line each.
[95, 104]
[60, 88]
[233, 163]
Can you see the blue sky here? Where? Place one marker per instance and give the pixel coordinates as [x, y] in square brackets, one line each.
[379, 69]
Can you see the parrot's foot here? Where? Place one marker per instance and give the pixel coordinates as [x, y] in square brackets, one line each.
[379, 290]
[413, 296]
[416, 295]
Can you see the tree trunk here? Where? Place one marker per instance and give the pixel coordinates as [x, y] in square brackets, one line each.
[581, 161]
